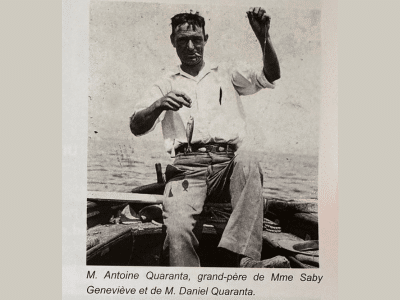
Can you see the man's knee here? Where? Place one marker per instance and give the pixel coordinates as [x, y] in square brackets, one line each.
[181, 231]
[179, 224]
[250, 164]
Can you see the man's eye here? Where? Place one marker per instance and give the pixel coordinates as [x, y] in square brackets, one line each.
[194, 41]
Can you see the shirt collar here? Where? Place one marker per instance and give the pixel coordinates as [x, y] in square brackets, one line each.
[206, 69]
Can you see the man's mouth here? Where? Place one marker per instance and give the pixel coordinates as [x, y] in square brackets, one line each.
[192, 55]
[192, 58]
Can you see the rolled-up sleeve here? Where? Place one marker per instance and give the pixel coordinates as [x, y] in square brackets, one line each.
[248, 81]
[153, 94]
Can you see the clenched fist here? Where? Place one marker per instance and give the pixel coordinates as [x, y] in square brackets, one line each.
[259, 21]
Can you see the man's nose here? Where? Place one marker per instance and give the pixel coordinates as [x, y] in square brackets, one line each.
[190, 45]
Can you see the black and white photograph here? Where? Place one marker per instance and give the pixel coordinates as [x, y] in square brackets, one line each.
[204, 134]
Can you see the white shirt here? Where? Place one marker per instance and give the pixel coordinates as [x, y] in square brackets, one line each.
[216, 108]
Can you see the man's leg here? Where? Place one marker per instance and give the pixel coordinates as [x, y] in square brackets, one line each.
[184, 200]
[243, 232]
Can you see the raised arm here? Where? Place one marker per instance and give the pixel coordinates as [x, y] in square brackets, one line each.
[260, 23]
[143, 120]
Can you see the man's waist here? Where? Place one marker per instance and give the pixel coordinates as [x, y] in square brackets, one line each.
[209, 147]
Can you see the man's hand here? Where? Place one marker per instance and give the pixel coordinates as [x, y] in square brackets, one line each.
[259, 22]
[174, 100]
[144, 119]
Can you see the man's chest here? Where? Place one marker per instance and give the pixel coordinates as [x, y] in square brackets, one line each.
[212, 94]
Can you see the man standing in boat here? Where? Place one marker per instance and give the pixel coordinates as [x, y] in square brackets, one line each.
[203, 124]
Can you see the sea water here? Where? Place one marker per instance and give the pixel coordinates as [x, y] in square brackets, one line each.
[120, 165]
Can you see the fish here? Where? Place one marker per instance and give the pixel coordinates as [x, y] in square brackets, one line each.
[189, 133]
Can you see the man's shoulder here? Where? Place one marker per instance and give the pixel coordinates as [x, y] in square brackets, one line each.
[164, 80]
[169, 72]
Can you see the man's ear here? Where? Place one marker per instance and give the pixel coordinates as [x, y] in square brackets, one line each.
[172, 38]
[205, 38]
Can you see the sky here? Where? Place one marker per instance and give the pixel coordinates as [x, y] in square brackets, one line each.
[130, 49]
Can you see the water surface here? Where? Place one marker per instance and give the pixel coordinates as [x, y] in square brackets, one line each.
[119, 166]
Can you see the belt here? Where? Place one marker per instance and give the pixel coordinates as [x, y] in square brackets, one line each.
[206, 148]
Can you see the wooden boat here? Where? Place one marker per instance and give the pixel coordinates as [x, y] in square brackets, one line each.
[299, 223]
[139, 242]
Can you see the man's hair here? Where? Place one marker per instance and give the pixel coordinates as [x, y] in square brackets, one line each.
[191, 19]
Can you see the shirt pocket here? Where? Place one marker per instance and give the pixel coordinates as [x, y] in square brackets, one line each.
[210, 99]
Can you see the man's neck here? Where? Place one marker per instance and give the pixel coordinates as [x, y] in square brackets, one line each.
[193, 70]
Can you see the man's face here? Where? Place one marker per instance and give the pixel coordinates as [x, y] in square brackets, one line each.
[189, 42]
